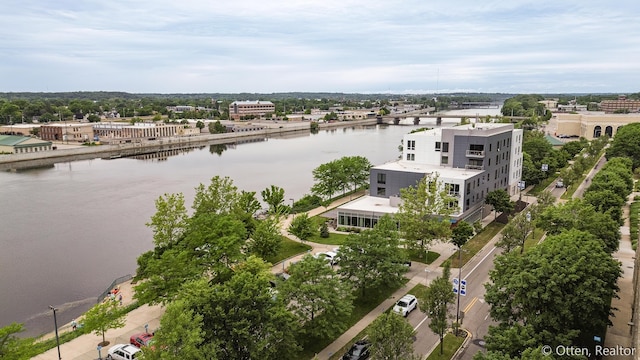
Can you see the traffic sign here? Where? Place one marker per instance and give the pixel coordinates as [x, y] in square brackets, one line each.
[521, 185]
[545, 167]
[463, 287]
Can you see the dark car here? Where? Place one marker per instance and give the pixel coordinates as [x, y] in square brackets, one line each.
[141, 339]
[359, 351]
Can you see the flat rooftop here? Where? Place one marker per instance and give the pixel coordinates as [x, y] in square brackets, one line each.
[371, 204]
[444, 172]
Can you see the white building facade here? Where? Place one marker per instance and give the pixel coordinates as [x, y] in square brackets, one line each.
[469, 160]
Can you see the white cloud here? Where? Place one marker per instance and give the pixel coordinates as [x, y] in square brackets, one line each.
[333, 45]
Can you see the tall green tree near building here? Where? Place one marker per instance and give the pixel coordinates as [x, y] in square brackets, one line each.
[318, 297]
[437, 302]
[374, 257]
[391, 337]
[423, 215]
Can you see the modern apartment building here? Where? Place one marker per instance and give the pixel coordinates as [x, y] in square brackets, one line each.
[469, 160]
[237, 109]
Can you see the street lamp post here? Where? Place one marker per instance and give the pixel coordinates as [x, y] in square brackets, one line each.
[459, 281]
[55, 323]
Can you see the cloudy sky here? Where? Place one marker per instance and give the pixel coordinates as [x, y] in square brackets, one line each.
[352, 46]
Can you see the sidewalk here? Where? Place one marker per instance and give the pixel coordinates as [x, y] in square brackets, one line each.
[619, 333]
[85, 347]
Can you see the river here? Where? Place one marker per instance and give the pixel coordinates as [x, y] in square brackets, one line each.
[69, 230]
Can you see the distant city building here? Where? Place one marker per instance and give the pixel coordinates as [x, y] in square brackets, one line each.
[11, 144]
[18, 129]
[621, 104]
[184, 108]
[122, 132]
[470, 160]
[67, 132]
[592, 125]
[238, 109]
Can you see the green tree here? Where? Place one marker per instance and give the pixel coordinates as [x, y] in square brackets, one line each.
[499, 200]
[318, 297]
[104, 316]
[391, 337]
[163, 273]
[274, 197]
[581, 215]
[357, 170]
[170, 220]
[423, 213]
[245, 319]
[216, 242]
[515, 232]
[329, 179]
[200, 124]
[626, 144]
[543, 287]
[11, 346]
[436, 302]
[219, 197]
[180, 336]
[461, 233]
[303, 227]
[266, 239]
[373, 257]
[216, 127]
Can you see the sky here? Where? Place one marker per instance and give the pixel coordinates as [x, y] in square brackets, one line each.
[349, 46]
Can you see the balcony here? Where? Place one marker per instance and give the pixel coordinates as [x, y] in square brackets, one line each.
[475, 153]
[474, 167]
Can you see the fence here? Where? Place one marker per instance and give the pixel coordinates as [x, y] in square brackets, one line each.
[115, 282]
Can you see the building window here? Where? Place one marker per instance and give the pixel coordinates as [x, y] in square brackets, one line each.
[438, 145]
[444, 160]
[411, 157]
[445, 147]
[411, 145]
[382, 178]
[382, 191]
[453, 189]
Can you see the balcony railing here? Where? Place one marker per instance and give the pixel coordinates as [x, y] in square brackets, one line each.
[474, 167]
[475, 153]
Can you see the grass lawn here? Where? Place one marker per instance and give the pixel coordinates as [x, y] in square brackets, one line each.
[418, 256]
[538, 188]
[417, 290]
[451, 345]
[288, 249]
[362, 306]
[333, 239]
[476, 243]
[533, 239]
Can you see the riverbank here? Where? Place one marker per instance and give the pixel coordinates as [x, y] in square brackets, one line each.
[74, 152]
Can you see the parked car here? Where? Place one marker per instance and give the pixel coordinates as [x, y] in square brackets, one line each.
[405, 305]
[123, 352]
[359, 351]
[141, 339]
[330, 256]
[559, 184]
[283, 276]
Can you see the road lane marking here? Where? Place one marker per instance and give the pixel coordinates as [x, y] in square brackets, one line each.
[481, 261]
[473, 301]
[423, 320]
